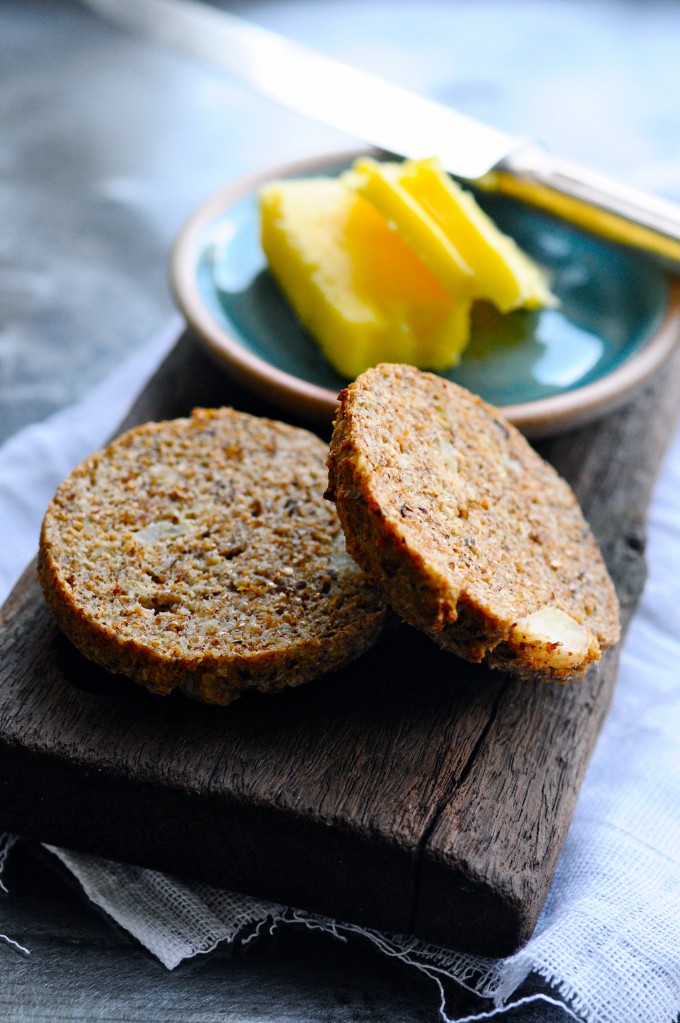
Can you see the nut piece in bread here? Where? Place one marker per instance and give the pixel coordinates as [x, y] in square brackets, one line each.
[468, 532]
[199, 554]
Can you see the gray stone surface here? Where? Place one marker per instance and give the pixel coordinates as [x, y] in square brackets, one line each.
[106, 144]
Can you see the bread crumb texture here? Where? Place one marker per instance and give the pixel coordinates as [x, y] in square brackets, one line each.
[199, 554]
[470, 534]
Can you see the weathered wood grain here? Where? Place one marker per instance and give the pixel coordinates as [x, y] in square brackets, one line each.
[409, 792]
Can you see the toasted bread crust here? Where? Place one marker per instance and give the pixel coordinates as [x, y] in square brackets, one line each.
[462, 525]
[198, 554]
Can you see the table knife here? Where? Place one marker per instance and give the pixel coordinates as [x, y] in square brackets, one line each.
[403, 123]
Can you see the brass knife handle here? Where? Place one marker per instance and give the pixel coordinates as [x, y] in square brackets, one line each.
[590, 200]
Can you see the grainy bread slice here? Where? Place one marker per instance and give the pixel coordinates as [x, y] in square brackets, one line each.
[471, 536]
[200, 554]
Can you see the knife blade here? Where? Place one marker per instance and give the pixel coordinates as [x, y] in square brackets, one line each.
[403, 123]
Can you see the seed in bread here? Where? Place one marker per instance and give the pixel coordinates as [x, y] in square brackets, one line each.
[469, 533]
[199, 554]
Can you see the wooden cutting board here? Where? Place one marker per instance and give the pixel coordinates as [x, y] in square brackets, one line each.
[409, 792]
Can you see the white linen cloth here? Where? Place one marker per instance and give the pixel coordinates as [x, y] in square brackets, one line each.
[608, 940]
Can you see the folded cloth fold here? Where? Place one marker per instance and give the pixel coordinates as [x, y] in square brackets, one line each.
[608, 939]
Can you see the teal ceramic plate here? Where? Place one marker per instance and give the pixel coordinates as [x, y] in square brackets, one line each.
[618, 319]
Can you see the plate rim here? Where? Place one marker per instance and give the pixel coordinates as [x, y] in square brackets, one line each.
[542, 417]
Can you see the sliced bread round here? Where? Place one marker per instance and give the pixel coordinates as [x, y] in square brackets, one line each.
[199, 554]
[468, 532]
